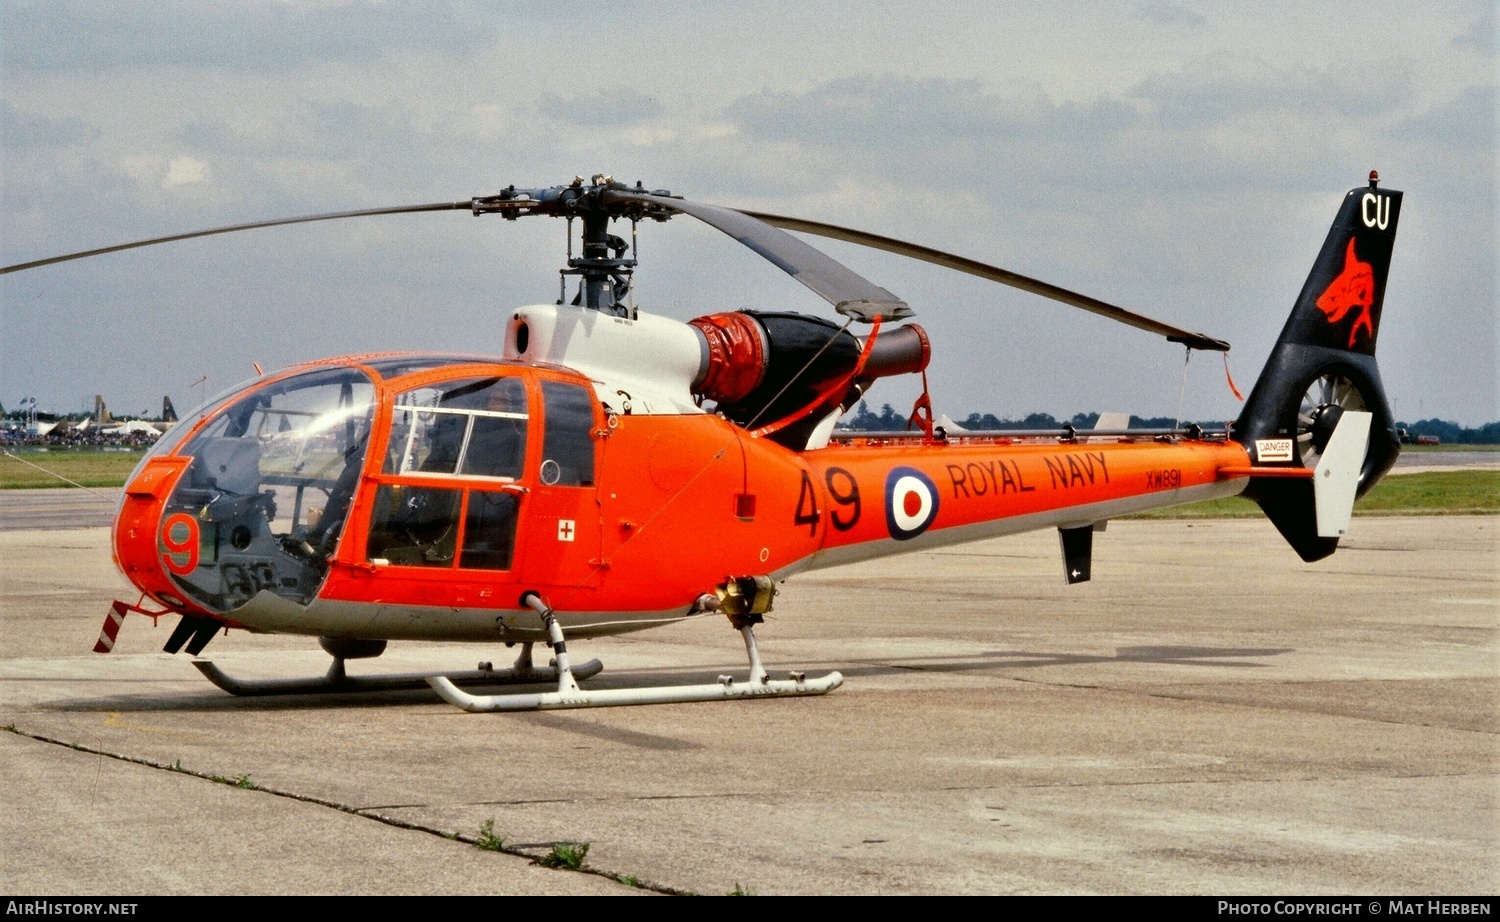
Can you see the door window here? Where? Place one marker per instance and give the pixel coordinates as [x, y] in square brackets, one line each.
[473, 428]
[414, 526]
[489, 530]
[568, 441]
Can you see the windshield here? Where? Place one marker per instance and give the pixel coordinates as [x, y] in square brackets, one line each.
[269, 487]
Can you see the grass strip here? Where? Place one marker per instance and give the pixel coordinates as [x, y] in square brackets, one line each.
[1457, 492]
[92, 468]
[1460, 492]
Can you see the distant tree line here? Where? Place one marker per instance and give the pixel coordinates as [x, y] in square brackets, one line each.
[1454, 434]
[888, 420]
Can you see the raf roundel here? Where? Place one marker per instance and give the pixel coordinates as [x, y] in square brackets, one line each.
[911, 502]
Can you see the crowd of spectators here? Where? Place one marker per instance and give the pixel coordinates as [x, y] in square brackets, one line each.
[66, 434]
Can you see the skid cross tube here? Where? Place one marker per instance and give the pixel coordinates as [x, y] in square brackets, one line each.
[569, 695]
[337, 680]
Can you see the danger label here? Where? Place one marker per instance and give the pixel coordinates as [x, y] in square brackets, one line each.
[1273, 449]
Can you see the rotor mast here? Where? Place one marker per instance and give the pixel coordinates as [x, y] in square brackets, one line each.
[604, 271]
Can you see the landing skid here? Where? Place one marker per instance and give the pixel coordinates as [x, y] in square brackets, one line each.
[337, 680]
[569, 695]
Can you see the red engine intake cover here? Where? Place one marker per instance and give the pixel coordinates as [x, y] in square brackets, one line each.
[736, 356]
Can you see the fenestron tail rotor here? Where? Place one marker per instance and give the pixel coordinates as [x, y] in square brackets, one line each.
[1326, 399]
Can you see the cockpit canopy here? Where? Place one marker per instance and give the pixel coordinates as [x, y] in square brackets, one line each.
[425, 453]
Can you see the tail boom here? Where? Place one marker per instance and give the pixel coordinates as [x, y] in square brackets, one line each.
[874, 500]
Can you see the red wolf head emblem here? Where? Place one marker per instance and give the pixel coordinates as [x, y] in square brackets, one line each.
[1352, 288]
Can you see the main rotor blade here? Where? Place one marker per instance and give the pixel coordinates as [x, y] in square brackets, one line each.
[851, 294]
[465, 205]
[994, 274]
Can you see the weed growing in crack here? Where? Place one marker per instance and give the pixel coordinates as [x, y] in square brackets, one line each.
[740, 890]
[240, 781]
[487, 839]
[568, 855]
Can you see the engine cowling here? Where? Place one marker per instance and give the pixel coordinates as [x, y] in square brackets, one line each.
[758, 368]
[763, 367]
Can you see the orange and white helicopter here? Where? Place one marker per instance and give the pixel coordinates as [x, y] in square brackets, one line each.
[614, 471]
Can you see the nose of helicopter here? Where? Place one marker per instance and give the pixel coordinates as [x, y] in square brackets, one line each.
[250, 495]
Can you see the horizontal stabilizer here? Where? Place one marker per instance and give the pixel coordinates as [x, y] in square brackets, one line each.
[1337, 476]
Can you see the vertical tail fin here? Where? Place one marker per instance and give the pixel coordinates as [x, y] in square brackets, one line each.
[1324, 364]
[1339, 307]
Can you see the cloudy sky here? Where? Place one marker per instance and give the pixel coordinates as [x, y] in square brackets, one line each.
[1183, 160]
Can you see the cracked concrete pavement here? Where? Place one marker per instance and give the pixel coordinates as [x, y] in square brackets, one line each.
[1209, 715]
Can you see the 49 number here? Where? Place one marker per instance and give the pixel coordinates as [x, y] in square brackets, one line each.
[843, 489]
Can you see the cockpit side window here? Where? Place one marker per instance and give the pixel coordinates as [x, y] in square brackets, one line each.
[475, 427]
[414, 526]
[568, 442]
[489, 530]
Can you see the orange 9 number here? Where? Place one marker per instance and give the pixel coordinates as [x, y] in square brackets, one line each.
[179, 535]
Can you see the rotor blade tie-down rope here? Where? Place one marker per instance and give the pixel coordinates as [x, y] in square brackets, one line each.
[824, 348]
[75, 483]
[923, 402]
[1182, 391]
[1230, 378]
[839, 385]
